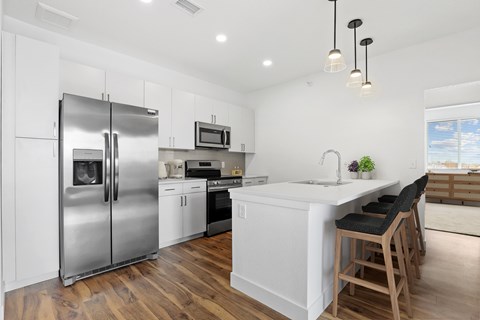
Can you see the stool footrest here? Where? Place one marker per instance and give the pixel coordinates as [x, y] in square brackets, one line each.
[364, 283]
[376, 266]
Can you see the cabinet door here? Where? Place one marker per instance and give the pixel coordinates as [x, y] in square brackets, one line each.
[249, 130]
[237, 126]
[159, 97]
[36, 201]
[36, 97]
[204, 109]
[195, 214]
[170, 218]
[81, 80]
[183, 120]
[124, 89]
[220, 111]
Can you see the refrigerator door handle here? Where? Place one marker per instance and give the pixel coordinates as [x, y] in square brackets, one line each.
[115, 167]
[106, 172]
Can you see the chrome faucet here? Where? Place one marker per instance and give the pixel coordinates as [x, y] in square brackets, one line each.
[339, 169]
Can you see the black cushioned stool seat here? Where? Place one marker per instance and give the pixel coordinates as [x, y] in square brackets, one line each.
[377, 207]
[361, 223]
[388, 198]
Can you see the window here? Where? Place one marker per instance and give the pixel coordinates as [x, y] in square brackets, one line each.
[453, 144]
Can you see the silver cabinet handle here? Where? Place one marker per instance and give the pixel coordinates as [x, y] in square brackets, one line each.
[115, 167]
[181, 201]
[54, 154]
[215, 119]
[195, 187]
[103, 96]
[106, 173]
[174, 142]
[185, 201]
[169, 141]
[172, 189]
[108, 97]
[211, 116]
[54, 129]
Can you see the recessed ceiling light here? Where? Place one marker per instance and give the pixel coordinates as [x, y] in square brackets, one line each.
[146, 1]
[221, 38]
[267, 63]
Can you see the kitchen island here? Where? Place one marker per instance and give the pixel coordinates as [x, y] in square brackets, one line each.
[284, 241]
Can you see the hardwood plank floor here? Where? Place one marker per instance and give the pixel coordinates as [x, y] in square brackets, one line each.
[192, 281]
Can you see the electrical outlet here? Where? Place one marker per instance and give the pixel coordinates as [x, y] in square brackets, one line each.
[242, 211]
[223, 164]
[413, 164]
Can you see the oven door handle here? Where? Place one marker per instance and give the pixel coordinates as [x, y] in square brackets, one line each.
[217, 189]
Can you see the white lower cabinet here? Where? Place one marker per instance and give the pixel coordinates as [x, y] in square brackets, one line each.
[36, 205]
[182, 211]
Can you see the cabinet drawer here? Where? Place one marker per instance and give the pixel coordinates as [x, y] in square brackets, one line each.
[458, 187]
[437, 194]
[248, 182]
[169, 189]
[467, 178]
[467, 196]
[261, 180]
[193, 187]
[441, 177]
[437, 185]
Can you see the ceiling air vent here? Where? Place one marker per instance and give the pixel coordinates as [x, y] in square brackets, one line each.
[54, 16]
[188, 7]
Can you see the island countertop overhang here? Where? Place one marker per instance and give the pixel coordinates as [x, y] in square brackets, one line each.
[331, 195]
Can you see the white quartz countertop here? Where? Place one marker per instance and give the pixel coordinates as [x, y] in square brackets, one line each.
[183, 180]
[331, 195]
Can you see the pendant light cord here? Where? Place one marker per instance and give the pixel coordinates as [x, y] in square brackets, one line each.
[366, 63]
[335, 24]
[355, 44]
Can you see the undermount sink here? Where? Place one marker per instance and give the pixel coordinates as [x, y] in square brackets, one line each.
[321, 183]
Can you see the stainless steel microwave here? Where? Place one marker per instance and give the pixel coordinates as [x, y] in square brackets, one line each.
[209, 135]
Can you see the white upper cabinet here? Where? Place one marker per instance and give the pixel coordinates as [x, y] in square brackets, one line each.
[159, 97]
[183, 120]
[36, 82]
[124, 89]
[242, 122]
[81, 80]
[86, 81]
[211, 111]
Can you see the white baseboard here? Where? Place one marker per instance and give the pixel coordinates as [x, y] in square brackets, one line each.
[177, 241]
[2, 312]
[281, 304]
[13, 285]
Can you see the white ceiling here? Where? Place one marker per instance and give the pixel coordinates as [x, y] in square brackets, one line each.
[295, 34]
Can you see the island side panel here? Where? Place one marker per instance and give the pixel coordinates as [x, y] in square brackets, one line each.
[270, 255]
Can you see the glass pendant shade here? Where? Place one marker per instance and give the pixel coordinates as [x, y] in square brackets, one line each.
[335, 61]
[355, 80]
[367, 89]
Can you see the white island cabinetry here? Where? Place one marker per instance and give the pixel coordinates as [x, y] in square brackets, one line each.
[284, 241]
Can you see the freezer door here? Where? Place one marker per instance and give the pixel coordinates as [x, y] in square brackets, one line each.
[134, 182]
[84, 185]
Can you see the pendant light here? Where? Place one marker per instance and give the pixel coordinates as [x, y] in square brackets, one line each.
[355, 78]
[367, 85]
[335, 61]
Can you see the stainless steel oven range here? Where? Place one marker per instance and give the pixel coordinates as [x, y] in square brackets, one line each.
[219, 204]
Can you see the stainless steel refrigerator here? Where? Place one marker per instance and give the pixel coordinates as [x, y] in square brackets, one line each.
[108, 186]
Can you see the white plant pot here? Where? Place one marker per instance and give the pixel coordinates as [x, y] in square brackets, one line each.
[366, 175]
[353, 175]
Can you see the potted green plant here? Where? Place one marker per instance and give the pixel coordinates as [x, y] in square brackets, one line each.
[353, 169]
[366, 165]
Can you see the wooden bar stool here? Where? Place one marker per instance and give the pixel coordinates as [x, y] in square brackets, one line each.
[381, 208]
[418, 226]
[381, 231]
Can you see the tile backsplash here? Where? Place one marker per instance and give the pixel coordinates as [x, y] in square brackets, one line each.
[231, 159]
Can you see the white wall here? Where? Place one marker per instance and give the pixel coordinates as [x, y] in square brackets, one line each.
[2, 289]
[95, 56]
[296, 123]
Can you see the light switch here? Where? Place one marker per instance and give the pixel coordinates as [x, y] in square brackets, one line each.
[242, 211]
